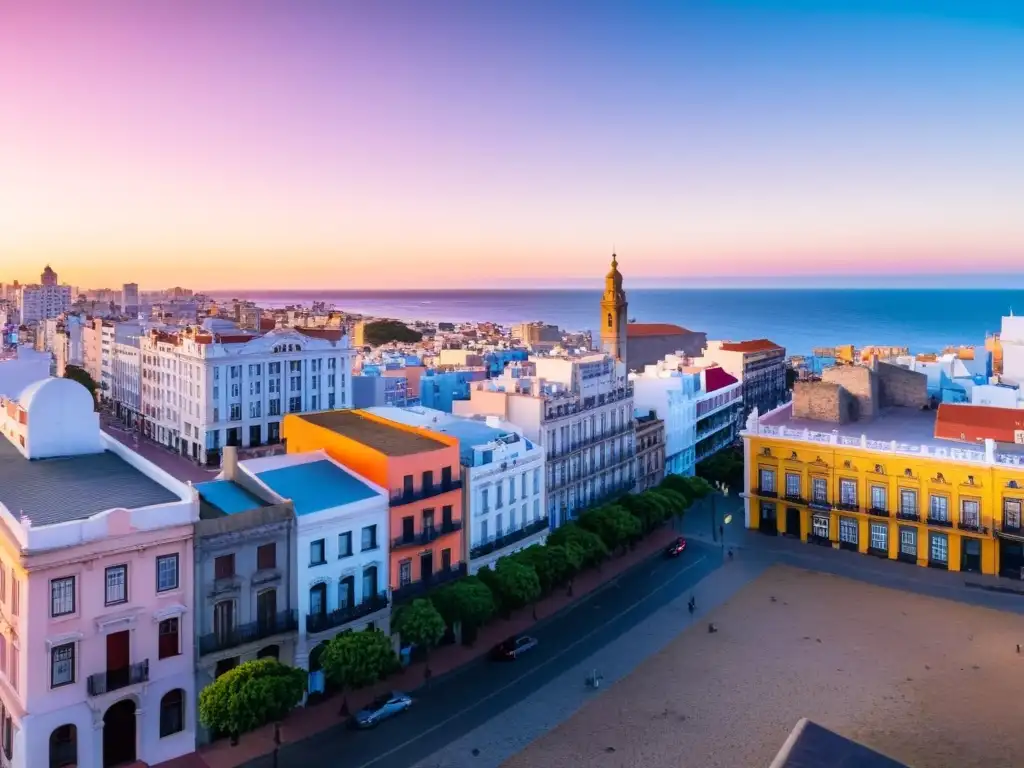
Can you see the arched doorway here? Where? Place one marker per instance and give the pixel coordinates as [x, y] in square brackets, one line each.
[270, 652]
[64, 746]
[317, 682]
[119, 734]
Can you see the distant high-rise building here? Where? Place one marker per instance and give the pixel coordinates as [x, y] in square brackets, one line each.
[47, 300]
[48, 277]
[130, 299]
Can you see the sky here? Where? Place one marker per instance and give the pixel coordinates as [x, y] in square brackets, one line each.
[247, 144]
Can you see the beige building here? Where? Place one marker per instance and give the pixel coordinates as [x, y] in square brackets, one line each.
[650, 451]
[537, 336]
[759, 364]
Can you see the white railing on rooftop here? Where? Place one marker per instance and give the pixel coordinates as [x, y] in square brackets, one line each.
[987, 456]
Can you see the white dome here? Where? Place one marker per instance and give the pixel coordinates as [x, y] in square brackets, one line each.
[56, 394]
[61, 419]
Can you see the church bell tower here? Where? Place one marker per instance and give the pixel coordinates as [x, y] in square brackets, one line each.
[613, 314]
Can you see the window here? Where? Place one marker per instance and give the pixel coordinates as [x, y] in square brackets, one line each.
[167, 644]
[878, 497]
[172, 713]
[819, 490]
[483, 496]
[266, 556]
[939, 550]
[536, 481]
[255, 410]
[498, 488]
[224, 567]
[236, 412]
[908, 541]
[294, 404]
[369, 537]
[345, 544]
[908, 502]
[767, 480]
[880, 537]
[15, 594]
[793, 485]
[317, 553]
[536, 509]
[117, 585]
[62, 596]
[166, 573]
[847, 530]
[446, 559]
[848, 492]
[819, 525]
[938, 508]
[970, 512]
[1011, 513]
[62, 665]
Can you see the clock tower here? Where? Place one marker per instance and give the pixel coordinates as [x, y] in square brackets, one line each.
[613, 314]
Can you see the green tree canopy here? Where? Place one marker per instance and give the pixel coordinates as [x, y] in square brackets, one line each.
[250, 695]
[614, 525]
[467, 600]
[79, 374]
[590, 545]
[517, 583]
[647, 507]
[357, 659]
[726, 466]
[419, 623]
[380, 332]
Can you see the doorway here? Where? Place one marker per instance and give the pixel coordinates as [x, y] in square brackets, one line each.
[118, 659]
[426, 566]
[1011, 558]
[970, 555]
[768, 522]
[119, 734]
[64, 746]
[793, 522]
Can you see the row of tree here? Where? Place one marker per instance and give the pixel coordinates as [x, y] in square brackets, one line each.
[261, 691]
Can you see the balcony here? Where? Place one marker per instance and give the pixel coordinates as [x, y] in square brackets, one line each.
[878, 512]
[278, 624]
[1011, 525]
[578, 445]
[768, 494]
[116, 679]
[942, 522]
[320, 622]
[905, 514]
[820, 505]
[971, 525]
[421, 587]
[846, 506]
[402, 496]
[795, 498]
[426, 536]
[511, 537]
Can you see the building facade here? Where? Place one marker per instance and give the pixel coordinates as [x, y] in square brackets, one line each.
[96, 652]
[719, 411]
[863, 466]
[48, 299]
[419, 470]
[208, 387]
[650, 451]
[759, 364]
[668, 390]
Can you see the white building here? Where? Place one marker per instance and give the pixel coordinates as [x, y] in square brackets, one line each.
[580, 409]
[672, 395]
[343, 546]
[1011, 337]
[503, 496]
[214, 385]
[25, 366]
[48, 299]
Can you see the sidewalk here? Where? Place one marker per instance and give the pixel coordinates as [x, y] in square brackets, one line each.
[306, 722]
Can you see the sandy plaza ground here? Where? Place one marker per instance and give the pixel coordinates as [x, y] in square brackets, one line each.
[929, 682]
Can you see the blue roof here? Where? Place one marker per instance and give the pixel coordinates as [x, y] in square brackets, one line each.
[470, 434]
[316, 486]
[229, 497]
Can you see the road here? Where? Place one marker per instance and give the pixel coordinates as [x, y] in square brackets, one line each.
[459, 702]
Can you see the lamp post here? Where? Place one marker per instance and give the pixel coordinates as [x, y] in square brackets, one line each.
[722, 488]
[277, 741]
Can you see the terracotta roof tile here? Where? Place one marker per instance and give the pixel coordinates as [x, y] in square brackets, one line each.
[654, 329]
[717, 378]
[754, 345]
[330, 334]
[977, 423]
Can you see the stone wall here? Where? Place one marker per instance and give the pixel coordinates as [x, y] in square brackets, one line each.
[642, 351]
[902, 387]
[823, 401]
[862, 384]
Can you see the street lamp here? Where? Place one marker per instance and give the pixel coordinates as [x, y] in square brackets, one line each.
[724, 490]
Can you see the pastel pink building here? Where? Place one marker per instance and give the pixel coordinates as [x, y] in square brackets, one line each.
[96, 651]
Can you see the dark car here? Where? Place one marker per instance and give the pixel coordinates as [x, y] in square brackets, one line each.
[512, 648]
[382, 708]
[676, 548]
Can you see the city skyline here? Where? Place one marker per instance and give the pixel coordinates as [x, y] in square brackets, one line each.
[484, 147]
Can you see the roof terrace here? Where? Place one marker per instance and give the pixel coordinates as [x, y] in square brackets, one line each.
[389, 439]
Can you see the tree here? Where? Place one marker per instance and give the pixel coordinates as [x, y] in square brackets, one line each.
[699, 487]
[614, 524]
[356, 659]
[564, 561]
[468, 601]
[250, 695]
[726, 466]
[590, 545]
[646, 507]
[385, 331]
[420, 624]
[76, 373]
[517, 583]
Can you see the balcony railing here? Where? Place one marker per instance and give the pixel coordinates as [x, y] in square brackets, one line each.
[319, 622]
[1011, 525]
[972, 525]
[426, 536]
[943, 522]
[278, 624]
[436, 579]
[795, 498]
[820, 505]
[906, 514]
[846, 506]
[115, 679]
[878, 512]
[586, 442]
[508, 538]
[768, 494]
[402, 496]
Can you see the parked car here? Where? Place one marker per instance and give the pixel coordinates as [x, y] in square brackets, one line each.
[511, 649]
[676, 548]
[382, 708]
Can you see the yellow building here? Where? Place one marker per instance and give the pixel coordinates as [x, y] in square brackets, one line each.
[854, 462]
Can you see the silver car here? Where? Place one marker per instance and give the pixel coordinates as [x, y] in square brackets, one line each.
[382, 708]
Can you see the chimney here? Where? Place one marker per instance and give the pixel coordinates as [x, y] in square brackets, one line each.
[229, 462]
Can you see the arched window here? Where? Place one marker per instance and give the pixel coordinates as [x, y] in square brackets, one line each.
[64, 746]
[610, 323]
[172, 713]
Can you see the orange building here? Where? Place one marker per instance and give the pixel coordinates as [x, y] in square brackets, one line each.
[421, 471]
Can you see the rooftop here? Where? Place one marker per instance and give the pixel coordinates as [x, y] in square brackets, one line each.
[385, 438]
[754, 345]
[976, 423]
[229, 497]
[654, 329]
[315, 486]
[59, 490]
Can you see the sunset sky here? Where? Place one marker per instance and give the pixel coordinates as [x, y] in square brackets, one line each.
[349, 144]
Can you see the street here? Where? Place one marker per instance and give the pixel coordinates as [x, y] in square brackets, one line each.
[460, 702]
[170, 462]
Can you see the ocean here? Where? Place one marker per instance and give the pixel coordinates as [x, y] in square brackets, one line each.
[798, 319]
